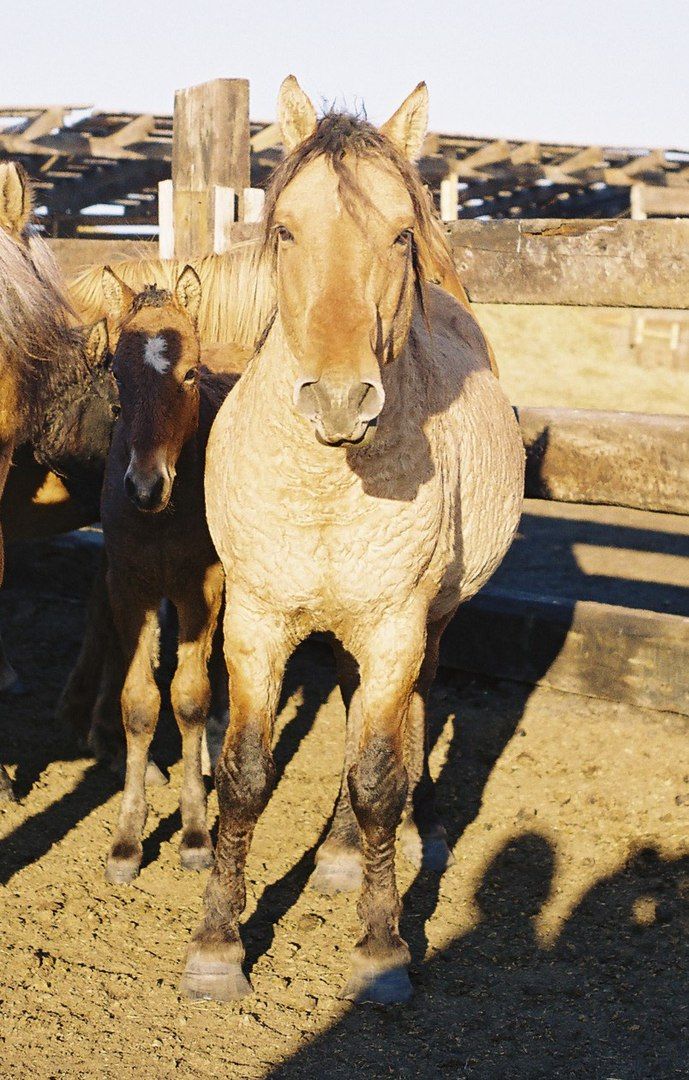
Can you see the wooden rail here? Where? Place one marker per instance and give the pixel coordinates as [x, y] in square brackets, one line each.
[590, 263]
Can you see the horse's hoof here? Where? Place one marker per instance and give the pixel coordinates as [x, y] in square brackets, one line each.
[155, 777]
[196, 858]
[121, 871]
[209, 980]
[379, 987]
[340, 872]
[426, 852]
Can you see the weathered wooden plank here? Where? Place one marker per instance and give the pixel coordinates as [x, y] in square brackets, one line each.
[615, 458]
[650, 201]
[210, 149]
[586, 262]
[620, 654]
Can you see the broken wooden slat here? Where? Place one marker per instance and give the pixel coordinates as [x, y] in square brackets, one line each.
[582, 647]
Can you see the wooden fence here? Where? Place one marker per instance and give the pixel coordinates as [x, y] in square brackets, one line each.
[618, 459]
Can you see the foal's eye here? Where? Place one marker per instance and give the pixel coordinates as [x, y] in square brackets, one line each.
[190, 375]
[115, 410]
[402, 239]
[283, 234]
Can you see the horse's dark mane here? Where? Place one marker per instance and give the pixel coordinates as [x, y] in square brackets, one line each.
[337, 136]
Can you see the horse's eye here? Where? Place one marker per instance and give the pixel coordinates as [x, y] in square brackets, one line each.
[283, 234]
[115, 410]
[190, 375]
[403, 238]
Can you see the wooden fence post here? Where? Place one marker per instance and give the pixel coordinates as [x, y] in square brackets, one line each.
[210, 163]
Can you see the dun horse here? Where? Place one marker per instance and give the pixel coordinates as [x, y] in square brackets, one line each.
[158, 545]
[364, 478]
[57, 396]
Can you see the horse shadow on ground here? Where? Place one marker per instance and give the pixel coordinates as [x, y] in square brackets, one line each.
[608, 1000]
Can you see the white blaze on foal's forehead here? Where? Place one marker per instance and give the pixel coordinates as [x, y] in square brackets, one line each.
[155, 354]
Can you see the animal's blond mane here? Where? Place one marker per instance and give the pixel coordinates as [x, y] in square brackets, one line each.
[237, 291]
[35, 314]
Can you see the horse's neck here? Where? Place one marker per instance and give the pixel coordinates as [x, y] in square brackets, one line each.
[51, 384]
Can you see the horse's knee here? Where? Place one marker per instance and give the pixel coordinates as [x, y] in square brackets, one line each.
[378, 785]
[244, 778]
[140, 707]
[191, 694]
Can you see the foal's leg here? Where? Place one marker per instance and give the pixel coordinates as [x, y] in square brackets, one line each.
[138, 628]
[339, 858]
[423, 839]
[389, 661]
[257, 646]
[191, 698]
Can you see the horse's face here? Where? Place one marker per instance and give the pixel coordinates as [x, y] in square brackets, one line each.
[78, 430]
[156, 365]
[343, 228]
[345, 291]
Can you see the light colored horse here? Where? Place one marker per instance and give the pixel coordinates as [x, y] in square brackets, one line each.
[364, 477]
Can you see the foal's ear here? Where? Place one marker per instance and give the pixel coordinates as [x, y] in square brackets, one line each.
[117, 295]
[296, 114]
[188, 293]
[407, 127]
[96, 343]
[15, 197]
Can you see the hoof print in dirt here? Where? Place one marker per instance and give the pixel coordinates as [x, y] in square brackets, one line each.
[371, 986]
[215, 982]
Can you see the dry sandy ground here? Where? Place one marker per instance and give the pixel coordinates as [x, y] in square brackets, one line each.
[556, 946]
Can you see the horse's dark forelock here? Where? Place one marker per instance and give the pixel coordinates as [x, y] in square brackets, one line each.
[151, 296]
[338, 135]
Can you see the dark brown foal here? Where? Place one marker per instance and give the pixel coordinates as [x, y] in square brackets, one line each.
[158, 546]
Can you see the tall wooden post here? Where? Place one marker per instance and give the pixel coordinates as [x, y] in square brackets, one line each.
[210, 166]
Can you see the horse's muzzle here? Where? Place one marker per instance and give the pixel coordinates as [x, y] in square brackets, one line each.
[341, 413]
[149, 492]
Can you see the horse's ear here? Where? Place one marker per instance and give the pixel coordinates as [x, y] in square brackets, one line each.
[407, 127]
[15, 197]
[117, 295]
[296, 114]
[188, 293]
[96, 343]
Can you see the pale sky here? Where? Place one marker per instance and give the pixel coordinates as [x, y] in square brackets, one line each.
[611, 71]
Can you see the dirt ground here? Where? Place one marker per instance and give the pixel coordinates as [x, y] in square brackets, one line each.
[557, 945]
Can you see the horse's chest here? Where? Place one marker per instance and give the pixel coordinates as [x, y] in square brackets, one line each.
[320, 551]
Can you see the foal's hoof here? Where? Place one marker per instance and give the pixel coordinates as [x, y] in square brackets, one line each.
[6, 789]
[426, 852]
[390, 986]
[207, 980]
[339, 871]
[123, 865]
[155, 777]
[196, 857]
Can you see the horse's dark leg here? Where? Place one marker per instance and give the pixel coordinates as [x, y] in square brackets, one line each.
[80, 692]
[137, 624]
[339, 858]
[257, 646]
[423, 838]
[191, 697]
[390, 662]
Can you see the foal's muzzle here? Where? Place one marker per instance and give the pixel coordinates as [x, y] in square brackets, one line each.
[341, 413]
[149, 491]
